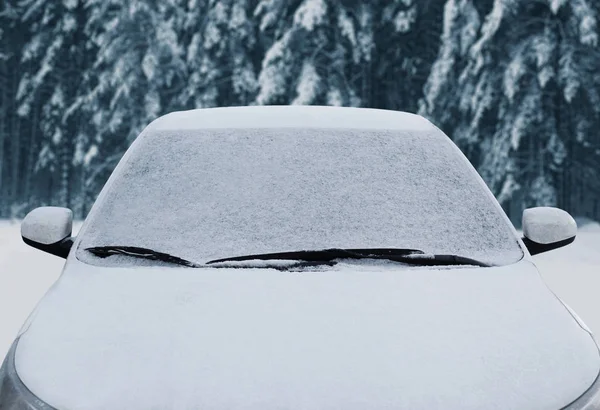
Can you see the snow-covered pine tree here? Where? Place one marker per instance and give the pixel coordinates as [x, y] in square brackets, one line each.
[516, 85]
[407, 39]
[220, 51]
[462, 24]
[138, 62]
[138, 69]
[372, 54]
[52, 64]
[9, 57]
[313, 50]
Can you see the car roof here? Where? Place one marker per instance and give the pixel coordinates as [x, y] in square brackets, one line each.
[291, 117]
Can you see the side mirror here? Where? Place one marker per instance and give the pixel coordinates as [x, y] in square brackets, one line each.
[546, 228]
[49, 229]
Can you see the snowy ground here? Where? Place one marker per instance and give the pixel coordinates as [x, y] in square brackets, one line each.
[573, 273]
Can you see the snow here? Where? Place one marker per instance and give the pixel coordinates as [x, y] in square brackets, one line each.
[257, 191]
[515, 71]
[335, 97]
[258, 338]
[308, 85]
[310, 14]
[587, 26]
[555, 5]
[268, 13]
[570, 75]
[405, 19]
[26, 274]
[290, 117]
[347, 26]
[273, 76]
[548, 225]
[48, 225]
[90, 155]
[573, 273]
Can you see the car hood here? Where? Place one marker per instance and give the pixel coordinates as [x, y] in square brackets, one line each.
[354, 337]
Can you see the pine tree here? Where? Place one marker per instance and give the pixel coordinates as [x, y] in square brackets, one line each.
[407, 39]
[14, 160]
[52, 63]
[9, 43]
[314, 47]
[220, 48]
[154, 57]
[512, 81]
[136, 72]
[509, 84]
[372, 54]
[138, 60]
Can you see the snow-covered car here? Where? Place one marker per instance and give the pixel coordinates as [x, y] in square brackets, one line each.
[299, 258]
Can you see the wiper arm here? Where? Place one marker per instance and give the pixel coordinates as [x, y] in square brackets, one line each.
[143, 253]
[327, 255]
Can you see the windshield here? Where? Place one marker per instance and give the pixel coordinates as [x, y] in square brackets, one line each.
[210, 194]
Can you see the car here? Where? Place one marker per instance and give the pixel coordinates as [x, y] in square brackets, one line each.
[299, 258]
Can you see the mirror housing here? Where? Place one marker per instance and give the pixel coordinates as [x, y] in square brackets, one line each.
[49, 229]
[546, 228]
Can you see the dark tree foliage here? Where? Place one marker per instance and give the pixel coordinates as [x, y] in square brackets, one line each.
[518, 88]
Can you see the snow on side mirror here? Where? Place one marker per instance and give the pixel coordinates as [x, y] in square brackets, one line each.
[49, 229]
[546, 228]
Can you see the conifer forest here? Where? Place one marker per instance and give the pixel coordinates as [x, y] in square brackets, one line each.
[515, 83]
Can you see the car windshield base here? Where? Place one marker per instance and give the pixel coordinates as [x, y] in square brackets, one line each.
[302, 259]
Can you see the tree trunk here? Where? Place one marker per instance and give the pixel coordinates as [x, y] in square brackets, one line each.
[65, 172]
[4, 101]
[15, 156]
[32, 150]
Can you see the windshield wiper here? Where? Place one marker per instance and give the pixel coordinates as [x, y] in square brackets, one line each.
[442, 260]
[408, 256]
[143, 253]
[314, 258]
[326, 255]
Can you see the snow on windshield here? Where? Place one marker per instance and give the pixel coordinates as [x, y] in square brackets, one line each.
[209, 194]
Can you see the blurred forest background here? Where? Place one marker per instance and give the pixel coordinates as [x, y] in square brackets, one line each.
[515, 83]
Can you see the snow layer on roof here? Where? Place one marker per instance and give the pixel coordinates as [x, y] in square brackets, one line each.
[211, 194]
[290, 117]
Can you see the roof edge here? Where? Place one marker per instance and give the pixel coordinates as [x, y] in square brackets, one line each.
[285, 116]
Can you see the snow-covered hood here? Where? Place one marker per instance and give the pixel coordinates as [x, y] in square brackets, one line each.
[354, 337]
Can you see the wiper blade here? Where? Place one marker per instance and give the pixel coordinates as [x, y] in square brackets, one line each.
[408, 256]
[442, 260]
[326, 255]
[137, 252]
[314, 257]
[291, 266]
